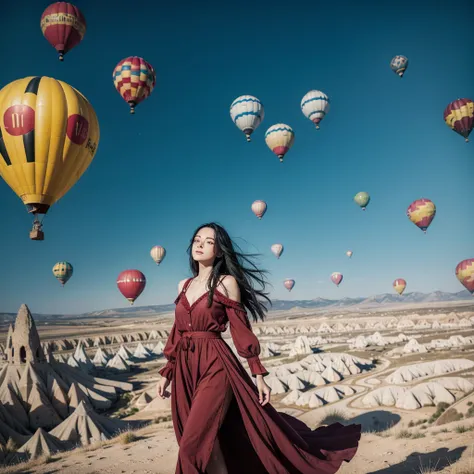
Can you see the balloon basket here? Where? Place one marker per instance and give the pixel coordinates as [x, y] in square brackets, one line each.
[36, 235]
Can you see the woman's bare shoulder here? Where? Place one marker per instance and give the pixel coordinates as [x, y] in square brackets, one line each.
[181, 284]
[231, 287]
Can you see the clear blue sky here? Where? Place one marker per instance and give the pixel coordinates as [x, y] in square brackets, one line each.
[180, 161]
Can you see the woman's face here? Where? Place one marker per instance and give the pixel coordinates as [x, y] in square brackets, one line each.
[204, 247]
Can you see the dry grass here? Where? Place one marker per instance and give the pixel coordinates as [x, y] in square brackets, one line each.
[429, 469]
[463, 428]
[162, 419]
[402, 434]
[29, 465]
[333, 416]
[128, 437]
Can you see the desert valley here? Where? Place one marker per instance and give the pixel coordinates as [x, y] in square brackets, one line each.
[78, 394]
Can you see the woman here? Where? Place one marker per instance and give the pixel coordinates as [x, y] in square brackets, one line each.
[223, 423]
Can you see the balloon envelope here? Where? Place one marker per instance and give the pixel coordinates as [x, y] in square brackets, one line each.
[399, 285]
[158, 253]
[280, 138]
[259, 208]
[131, 283]
[49, 136]
[399, 65]
[277, 250]
[64, 26]
[421, 212]
[336, 278]
[134, 79]
[289, 284]
[349, 253]
[247, 113]
[315, 106]
[459, 116]
[362, 199]
[63, 271]
[465, 274]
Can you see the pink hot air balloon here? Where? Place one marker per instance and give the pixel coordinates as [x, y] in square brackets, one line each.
[259, 208]
[337, 278]
[289, 284]
[277, 250]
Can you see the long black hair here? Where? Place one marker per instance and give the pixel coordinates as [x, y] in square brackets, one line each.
[230, 261]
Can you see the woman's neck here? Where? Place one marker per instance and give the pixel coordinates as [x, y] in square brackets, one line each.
[204, 273]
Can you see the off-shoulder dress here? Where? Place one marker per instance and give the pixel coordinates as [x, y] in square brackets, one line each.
[254, 439]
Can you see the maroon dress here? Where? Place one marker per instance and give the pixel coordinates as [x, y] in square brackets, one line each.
[254, 439]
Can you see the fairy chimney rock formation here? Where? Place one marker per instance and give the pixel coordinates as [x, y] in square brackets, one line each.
[23, 342]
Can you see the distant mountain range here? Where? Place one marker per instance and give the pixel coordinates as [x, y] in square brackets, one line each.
[279, 305]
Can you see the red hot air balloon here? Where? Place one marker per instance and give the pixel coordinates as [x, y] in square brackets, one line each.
[131, 283]
[64, 26]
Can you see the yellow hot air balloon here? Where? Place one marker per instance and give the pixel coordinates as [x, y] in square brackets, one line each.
[48, 137]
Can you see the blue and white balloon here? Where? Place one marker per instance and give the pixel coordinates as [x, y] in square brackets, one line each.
[399, 65]
[247, 113]
[315, 106]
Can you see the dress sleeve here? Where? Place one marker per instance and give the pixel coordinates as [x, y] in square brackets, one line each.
[170, 353]
[245, 340]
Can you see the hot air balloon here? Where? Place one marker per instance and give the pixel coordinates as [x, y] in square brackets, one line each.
[399, 65]
[131, 283]
[362, 199]
[399, 285]
[465, 274]
[48, 137]
[349, 253]
[247, 113]
[63, 271]
[277, 250]
[336, 278]
[64, 26]
[134, 80]
[421, 212]
[289, 284]
[459, 115]
[259, 208]
[315, 106]
[280, 138]
[158, 253]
